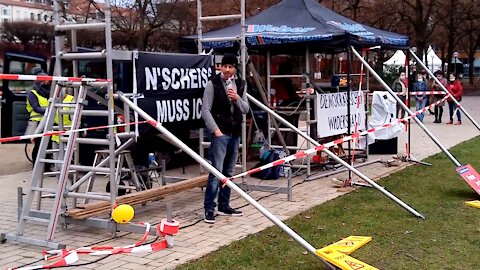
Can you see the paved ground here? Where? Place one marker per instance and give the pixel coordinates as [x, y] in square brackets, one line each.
[198, 238]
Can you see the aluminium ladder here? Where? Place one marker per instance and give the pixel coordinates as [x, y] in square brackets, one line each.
[66, 152]
[36, 185]
[243, 56]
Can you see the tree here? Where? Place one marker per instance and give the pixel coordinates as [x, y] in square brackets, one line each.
[139, 20]
[470, 33]
[450, 17]
[29, 35]
[414, 16]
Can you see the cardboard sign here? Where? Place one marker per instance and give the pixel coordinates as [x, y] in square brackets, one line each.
[332, 116]
[350, 244]
[343, 261]
[470, 176]
[475, 204]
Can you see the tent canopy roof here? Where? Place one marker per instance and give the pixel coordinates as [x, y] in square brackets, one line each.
[397, 59]
[304, 22]
[432, 57]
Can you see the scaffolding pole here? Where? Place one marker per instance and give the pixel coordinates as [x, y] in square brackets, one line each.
[422, 126]
[336, 158]
[445, 89]
[219, 175]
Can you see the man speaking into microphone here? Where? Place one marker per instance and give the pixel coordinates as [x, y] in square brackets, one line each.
[224, 103]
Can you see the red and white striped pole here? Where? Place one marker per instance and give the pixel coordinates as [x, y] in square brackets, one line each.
[19, 77]
[407, 103]
[357, 109]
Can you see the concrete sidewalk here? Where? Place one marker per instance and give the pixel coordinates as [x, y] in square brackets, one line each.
[198, 238]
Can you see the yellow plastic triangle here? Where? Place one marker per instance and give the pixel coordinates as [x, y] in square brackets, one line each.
[350, 244]
[475, 204]
[343, 261]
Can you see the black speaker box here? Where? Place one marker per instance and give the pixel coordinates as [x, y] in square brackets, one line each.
[389, 146]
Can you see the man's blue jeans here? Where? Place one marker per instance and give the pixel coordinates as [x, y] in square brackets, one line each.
[420, 104]
[223, 154]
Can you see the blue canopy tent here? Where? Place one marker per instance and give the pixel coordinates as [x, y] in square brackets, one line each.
[300, 27]
[303, 22]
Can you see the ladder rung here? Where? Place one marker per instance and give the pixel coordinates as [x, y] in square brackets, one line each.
[288, 129]
[79, 26]
[50, 190]
[205, 144]
[219, 39]
[289, 147]
[55, 173]
[78, 84]
[51, 151]
[36, 219]
[221, 17]
[88, 141]
[127, 187]
[87, 55]
[69, 105]
[87, 112]
[51, 161]
[90, 168]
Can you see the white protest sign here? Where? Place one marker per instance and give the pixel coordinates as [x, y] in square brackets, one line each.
[332, 115]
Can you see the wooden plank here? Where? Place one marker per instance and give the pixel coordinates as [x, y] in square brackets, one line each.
[101, 207]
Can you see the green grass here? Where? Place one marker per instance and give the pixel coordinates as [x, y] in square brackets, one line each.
[449, 238]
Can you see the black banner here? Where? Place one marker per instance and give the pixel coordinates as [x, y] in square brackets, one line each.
[172, 85]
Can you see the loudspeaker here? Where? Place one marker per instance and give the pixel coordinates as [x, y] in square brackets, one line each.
[389, 146]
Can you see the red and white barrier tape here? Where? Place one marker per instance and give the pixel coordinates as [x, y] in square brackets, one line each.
[18, 77]
[67, 257]
[163, 229]
[329, 144]
[428, 93]
[62, 132]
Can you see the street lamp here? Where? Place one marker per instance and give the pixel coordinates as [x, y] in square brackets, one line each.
[455, 55]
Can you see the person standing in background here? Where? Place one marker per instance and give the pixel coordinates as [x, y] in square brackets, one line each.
[37, 103]
[436, 87]
[400, 88]
[455, 88]
[420, 99]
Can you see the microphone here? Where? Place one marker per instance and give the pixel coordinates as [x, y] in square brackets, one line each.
[229, 86]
